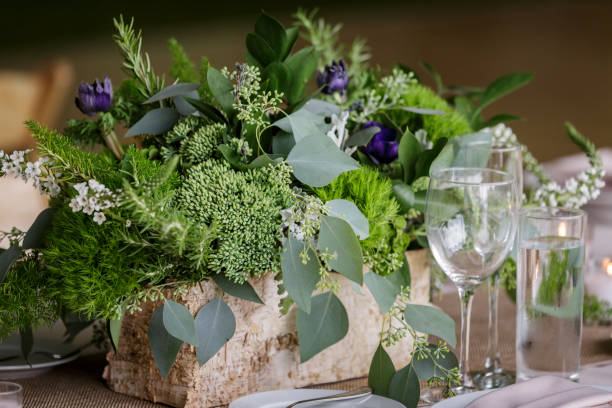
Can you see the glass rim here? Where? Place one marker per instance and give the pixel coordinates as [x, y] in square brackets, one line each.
[18, 388]
[548, 213]
[505, 147]
[509, 177]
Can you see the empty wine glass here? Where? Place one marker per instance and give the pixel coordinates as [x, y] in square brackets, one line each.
[470, 219]
[505, 157]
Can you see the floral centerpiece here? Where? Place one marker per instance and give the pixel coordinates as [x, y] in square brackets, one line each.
[234, 176]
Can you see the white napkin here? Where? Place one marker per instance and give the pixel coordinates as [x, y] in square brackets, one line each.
[545, 392]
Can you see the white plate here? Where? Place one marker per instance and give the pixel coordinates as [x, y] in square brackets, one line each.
[461, 401]
[280, 399]
[17, 368]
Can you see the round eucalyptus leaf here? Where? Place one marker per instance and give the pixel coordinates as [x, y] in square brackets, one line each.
[215, 325]
[431, 320]
[300, 279]
[164, 346]
[179, 322]
[349, 212]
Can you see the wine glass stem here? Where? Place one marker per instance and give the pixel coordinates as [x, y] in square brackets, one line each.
[492, 362]
[466, 295]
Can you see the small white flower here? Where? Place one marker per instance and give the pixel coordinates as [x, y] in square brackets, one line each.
[88, 209]
[74, 204]
[99, 217]
[571, 185]
[128, 223]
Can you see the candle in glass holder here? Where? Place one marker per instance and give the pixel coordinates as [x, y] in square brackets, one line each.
[599, 283]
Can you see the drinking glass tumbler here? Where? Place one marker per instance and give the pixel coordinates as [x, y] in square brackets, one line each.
[11, 395]
[549, 295]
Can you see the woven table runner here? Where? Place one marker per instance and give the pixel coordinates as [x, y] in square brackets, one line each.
[79, 384]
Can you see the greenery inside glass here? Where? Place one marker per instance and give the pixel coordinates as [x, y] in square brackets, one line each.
[505, 157]
[549, 292]
[470, 219]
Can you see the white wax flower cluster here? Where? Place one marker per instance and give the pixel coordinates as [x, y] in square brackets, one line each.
[15, 165]
[93, 198]
[576, 191]
[339, 133]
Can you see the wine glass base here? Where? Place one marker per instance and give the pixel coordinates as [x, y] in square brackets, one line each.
[464, 389]
[488, 380]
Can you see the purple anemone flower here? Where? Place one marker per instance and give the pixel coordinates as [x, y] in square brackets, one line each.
[383, 145]
[333, 78]
[94, 98]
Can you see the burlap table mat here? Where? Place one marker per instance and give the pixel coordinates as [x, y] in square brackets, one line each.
[79, 384]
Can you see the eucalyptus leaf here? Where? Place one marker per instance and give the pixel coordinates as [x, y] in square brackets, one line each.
[240, 290]
[179, 322]
[363, 137]
[272, 32]
[401, 277]
[183, 107]
[431, 320]
[320, 107]
[381, 372]
[7, 259]
[164, 346]
[215, 325]
[207, 110]
[114, 329]
[423, 111]
[336, 237]
[178, 89]
[405, 387]
[300, 279]
[404, 196]
[222, 89]
[74, 324]
[348, 211]
[260, 49]
[33, 238]
[282, 143]
[154, 122]
[326, 325]
[303, 123]
[503, 86]
[317, 161]
[384, 291]
[426, 367]
[265, 160]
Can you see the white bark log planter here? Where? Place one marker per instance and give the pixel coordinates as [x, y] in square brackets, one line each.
[263, 355]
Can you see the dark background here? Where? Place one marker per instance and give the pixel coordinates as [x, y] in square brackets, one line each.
[566, 44]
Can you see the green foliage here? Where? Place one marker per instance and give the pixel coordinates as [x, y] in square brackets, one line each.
[182, 68]
[128, 103]
[135, 64]
[201, 143]
[245, 209]
[72, 162]
[372, 194]
[24, 298]
[437, 126]
[83, 131]
[88, 269]
[595, 310]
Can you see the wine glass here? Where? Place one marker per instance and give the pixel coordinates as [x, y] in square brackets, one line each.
[505, 157]
[470, 219]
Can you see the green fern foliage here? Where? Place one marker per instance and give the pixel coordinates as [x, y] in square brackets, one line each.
[182, 68]
[437, 126]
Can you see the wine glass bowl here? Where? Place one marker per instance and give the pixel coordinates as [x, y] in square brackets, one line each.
[470, 220]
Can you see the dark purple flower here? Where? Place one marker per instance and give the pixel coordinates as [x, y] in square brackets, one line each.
[383, 145]
[94, 98]
[333, 78]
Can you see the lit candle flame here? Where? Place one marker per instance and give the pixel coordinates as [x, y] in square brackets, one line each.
[563, 229]
[607, 264]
